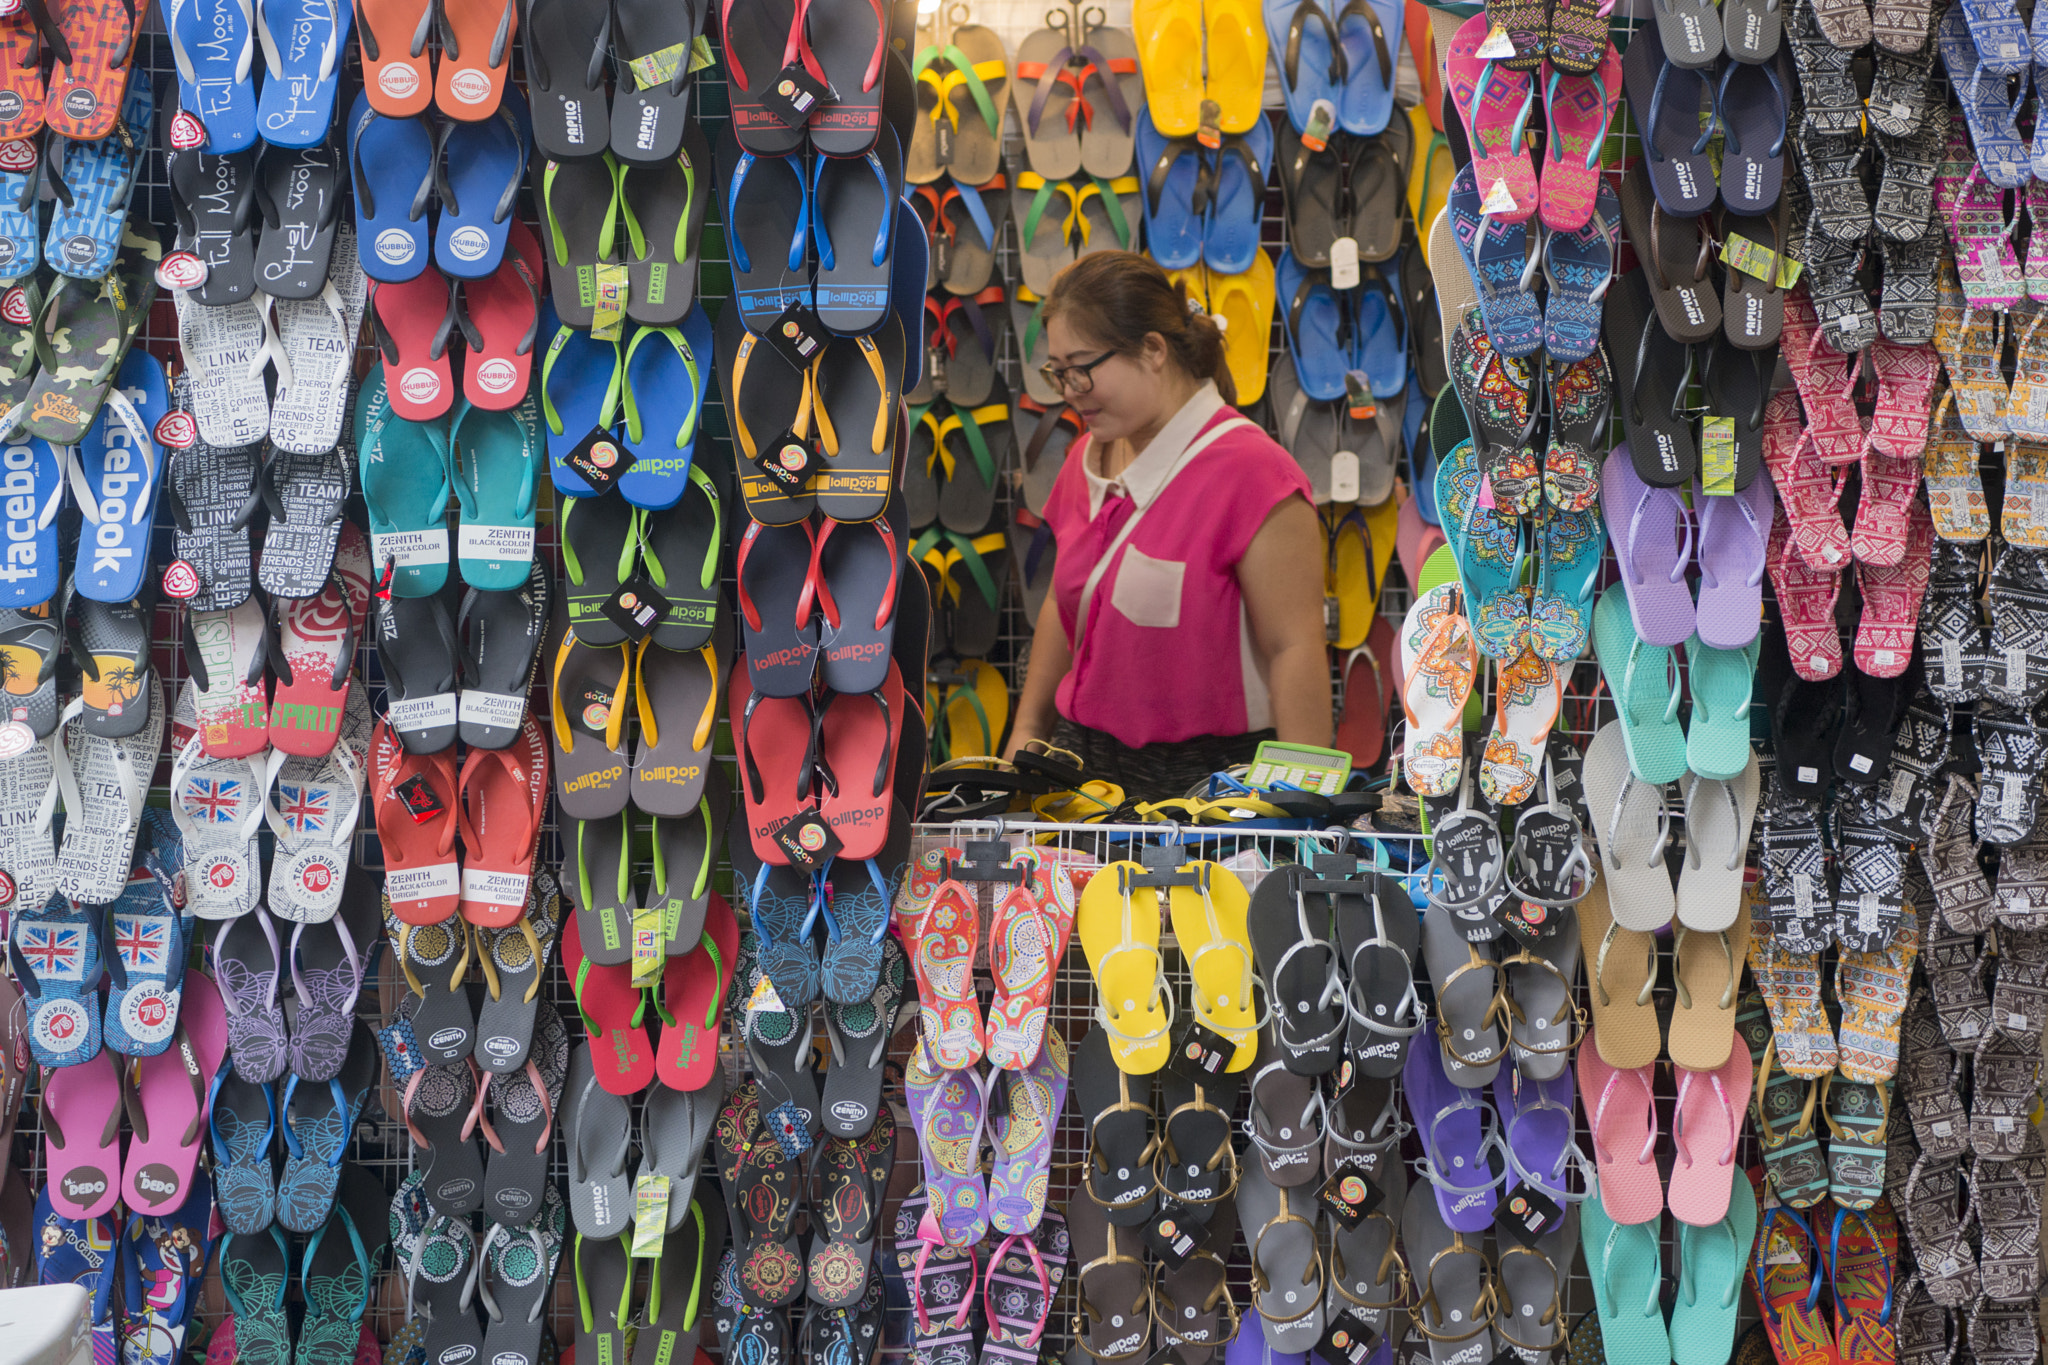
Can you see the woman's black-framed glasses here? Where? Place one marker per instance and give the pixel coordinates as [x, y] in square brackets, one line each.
[1074, 379]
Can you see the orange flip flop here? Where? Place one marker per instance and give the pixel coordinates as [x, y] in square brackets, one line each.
[22, 90]
[504, 798]
[694, 986]
[93, 41]
[421, 876]
[476, 56]
[392, 35]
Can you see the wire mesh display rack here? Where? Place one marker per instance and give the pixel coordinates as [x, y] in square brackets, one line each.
[380, 1142]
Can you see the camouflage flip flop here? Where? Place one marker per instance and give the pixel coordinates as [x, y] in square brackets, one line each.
[19, 306]
[81, 336]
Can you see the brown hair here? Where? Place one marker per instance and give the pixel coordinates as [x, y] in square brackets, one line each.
[1116, 298]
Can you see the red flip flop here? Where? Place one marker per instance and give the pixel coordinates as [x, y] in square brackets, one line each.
[317, 642]
[1806, 598]
[22, 90]
[1362, 728]
[500, 316]
[93, 41]
[421, 875]
[692, 1001]
[775, 760]
[857, 748]
[504, 799]
[412, 322]
[612, 1011]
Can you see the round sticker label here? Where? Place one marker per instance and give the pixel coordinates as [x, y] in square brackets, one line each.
[181, 580]
[14, 307]
[18, 156]
[395, 246]
[178, 430]
[398, 80]
[6, 889]
[60, 1026]
[187, 132]
[469, 243]
[80, 103]
[181, 270]
[149, 1013]
[15, 738]
[470, 86]
[420, 385]
[221, 874]
[497, 375]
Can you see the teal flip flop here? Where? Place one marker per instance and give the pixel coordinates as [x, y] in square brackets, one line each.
[1626, 1267]
[1645, 691]
[407, 480]
[1488, 548]
[1711, 1262]
[1722, 682]
[497, 467]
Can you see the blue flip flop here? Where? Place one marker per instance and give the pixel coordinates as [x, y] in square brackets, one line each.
[1369, 31]
[1488, 550]
[1379, 335]
[303, 73]
[478, 168]
[1176, 177]
[1230, 237]
[1580, 267]
[78, 1251]
[29, 573]
[55, 952]
[214, 45]
[93, 182]
[910, 267]
[1415, 446]
[116, 478]
[147, 967]
[1998, 37]
[1306, 49]
[768, 230]
[666, 371]
[497, 472]
[21, 234]
[1496, 252]
[391, 162]
[162, 1263]
[1315, 326]
[580, 383]
[1981, 86]
[1569, 545]
[407, 474]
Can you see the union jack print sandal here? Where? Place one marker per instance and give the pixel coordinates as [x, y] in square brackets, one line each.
[313, 805]
[146, 966]
[55, 952]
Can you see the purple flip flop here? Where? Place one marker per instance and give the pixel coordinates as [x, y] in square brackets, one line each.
[1539, 1134]
[1651, 532]
[1023, 1132]
[951, 1108]
[1458, 1129]
[1733, 534]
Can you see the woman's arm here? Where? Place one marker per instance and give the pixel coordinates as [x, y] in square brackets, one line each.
[1281, 576]
[1050, 660]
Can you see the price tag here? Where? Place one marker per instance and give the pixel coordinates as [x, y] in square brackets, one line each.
[650, 1216]
[1349, 1196]
[1497, 46]
[419, 798]
[1760, 262]
[795, 95]
[1718, 453]
[1173, 1236]
[608, 321]
[788, 461]
[1315, 135]
[1347, 1340]
[1344, 476]
[797, 333]
[601, 459]
[649, 956]
[1499, 199]
[636, 606]
[1527, 1213]
[808, 842]
[1344, 263]
[1199, 1052]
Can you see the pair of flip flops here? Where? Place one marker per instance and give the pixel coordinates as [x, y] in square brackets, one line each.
[647, 397]
[496, 803]
[472, 167]
[583, 203]
[1200, 203]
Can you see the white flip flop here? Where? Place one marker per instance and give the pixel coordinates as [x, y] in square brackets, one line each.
[226, 349]
[1631, 827]
[216, 805]
[1438, 661]
[316, 348]
[105, 784]
[1718, 815]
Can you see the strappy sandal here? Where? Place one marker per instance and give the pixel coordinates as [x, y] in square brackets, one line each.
[1104, 1326]
[1488, 1034]
[1182, 1319]
[1285, 1120]
[1196, 1180]
[1289, 1304]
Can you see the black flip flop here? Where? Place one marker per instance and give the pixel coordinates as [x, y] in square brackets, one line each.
[330, 958]
[1804, 721]
[1752, 309]
[647, 124]
[979, 446]
[1863, 751]
[299, 193]
[910, 644]
[597, 556]
[677, 696]
[755, 37]
[857, 405]
[767, 235]
[1195, 1164]
[1651, 374]
[850, 42]
[764, 393]
[308, 499]
[1678, 256]
[682, 551]
[1296, 952]
[576, 205]
[523, 1104]
[212, 199]
[437, 1103]
[780, 625]
[1118, 1112]
[861, 568]
[1311, 183]
[500, 634]
[665, 212]
[858, 1035]
[417, 651]
[853, 222]
[685, 856]
[590, 686]
[570, 117]
[1738, 384]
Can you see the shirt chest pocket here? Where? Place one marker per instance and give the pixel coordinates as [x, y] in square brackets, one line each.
[1147, 590]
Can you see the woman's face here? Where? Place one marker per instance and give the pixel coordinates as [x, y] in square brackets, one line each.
[1125, 396]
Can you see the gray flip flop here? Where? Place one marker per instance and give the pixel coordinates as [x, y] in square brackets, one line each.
[1365, 1127]
[1112, 1312]
[674, 1126]
[1285, 1120]
[440, 1264]
[1453, 1282]
[505, 1021]
[437, 1104]
[525, 1103]
[1529, 1315]
[599, 852]
[440, 1013]
[517, 1280]
[604, 1280]
[1118, 1111]
[1468, 1001]
[859, 1038]
[1306, 427]
[1287, 1263]
[1380, 936]
[1546, 1024]
[1368, 1277]
[686, 855]
[599, 1125]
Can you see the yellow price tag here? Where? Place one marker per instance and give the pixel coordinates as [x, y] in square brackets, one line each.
[648, 956]
[650, 1215]
[1759, 261]
[612, 288]
[1718, 456]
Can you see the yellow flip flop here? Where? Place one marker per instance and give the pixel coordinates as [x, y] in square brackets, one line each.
[1209, 925]
[976, 715]
[1236, 32]
[1245, 304]
[1429, 172]
[1382, 533]
[1169, 34]
[1118, 925]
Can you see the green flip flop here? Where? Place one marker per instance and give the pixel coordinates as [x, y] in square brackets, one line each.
[1626, 1267]
[497, 458]
[1639, 676]
[1722, 683]
[1711, 1262]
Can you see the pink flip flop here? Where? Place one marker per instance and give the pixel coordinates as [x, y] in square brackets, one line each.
[1494, 104]
[1808, 492]
[1622, 1112]
[1579, 110]
[1825, 382]
[1905, 398]
[1415, 540]
[1879, 539]
[82, 1136]
[170, 1110]
[1704, 1125]
[1891, 600]
[1806, 598]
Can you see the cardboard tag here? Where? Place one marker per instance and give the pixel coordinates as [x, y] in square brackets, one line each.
[1497, 45]
[419, 798]
[613, 288]
[1199, 1052]
[1209, 132]
[1344, 263]
[1344, 476]
[942, 143]
[700, 54]
[1499, 199]
[1350, 1195]
[1527, 1214]
[1718, 455]
[650, 1216]
[785, 1123]
[1760, 262]
[764, 1000]
[402, 1055]
[658, 68]
[788, 461]
[796, 95]
[1347, 1340]
[797, 333]
[1322, 120]
[636, 606]
[1526, 920]
[1172, 1236]
[649, 943]
[808, 842]
[1358, 400]
[600, 458]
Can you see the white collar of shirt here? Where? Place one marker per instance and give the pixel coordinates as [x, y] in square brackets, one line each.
[1146, 477]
